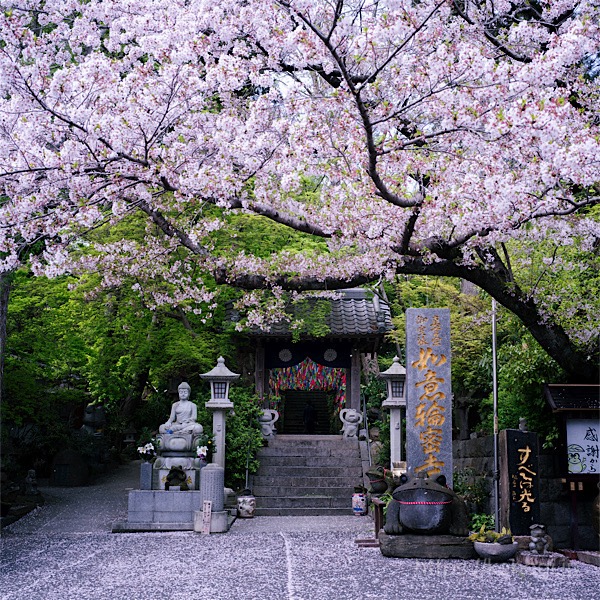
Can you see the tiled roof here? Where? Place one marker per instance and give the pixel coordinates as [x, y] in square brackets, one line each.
[573, 397]
[357, 312]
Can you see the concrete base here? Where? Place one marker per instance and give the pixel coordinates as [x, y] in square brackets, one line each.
[425, 546]
[126, 527]
[220, 521]
[160, 506]
[588, 557]
[551, 559]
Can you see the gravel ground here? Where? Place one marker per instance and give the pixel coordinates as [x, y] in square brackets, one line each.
[64, 550]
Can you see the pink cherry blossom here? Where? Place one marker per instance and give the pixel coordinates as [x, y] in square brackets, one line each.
[436, 132]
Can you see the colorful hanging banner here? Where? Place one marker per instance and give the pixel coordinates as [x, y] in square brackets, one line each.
[309, 375]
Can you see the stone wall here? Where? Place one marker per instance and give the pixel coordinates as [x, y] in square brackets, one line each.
[477, 455]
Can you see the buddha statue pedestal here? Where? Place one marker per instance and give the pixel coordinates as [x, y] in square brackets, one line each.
[177, 450]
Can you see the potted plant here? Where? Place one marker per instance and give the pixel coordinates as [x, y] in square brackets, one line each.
[493, 545]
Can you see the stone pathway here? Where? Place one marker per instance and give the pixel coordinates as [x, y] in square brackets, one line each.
[64, 550]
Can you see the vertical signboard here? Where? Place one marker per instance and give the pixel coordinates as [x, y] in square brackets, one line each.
[519, 480]
[583, 446]
[429, 393]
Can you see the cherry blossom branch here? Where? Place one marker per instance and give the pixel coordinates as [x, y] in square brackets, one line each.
[275, 215]
[493, 278]
[169, 229]
[373, 76]
[249, 281]
[372, 152]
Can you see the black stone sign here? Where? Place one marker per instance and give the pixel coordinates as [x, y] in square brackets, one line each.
[519, 480]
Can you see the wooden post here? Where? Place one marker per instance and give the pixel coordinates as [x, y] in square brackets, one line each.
[259, 373]
[354, 391]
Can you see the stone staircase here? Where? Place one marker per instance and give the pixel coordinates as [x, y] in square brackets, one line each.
[307, 475]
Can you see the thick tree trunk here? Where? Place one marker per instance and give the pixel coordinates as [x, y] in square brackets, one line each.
[5, 284]
[134, 398]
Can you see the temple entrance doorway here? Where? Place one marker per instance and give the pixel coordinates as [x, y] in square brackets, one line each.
[295, 402]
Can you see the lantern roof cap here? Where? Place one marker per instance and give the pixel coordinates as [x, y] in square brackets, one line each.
[396, 370]
[220, 372]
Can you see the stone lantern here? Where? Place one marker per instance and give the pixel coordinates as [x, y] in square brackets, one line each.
[395, 378]
[220, 378]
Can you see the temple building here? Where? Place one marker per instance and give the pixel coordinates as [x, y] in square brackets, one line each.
[293, 371]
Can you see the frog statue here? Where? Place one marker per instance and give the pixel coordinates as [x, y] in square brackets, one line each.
[424, 505]
[177, 477]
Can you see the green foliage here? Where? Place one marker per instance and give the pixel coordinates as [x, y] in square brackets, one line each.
[145, 436]
[386, 499]
[523, 368]
[44, 355]
[482, 521]
[470, 326]
[67, 346]
[471, 487]
[120, 342]
[243, 438]
[374, 391]
[262, 237]
[310, 316]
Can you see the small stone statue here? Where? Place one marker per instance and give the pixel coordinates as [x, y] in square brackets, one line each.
[246, 505]
[523, 424]
[94, 419]
[539, 539]
[184, 414]
[267, 421]
[351, 419]
[31, 483]
[177, 477]
[377, 483]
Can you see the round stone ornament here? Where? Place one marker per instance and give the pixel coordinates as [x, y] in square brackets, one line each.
[285, 355]
[330, 355]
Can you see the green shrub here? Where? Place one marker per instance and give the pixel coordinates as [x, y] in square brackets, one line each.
[243, 438]
[482, 522]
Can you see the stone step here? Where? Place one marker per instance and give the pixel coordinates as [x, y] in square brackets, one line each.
[309, 461]
[310, 440]
[279, 492]
[307, 475]
[302, 512]
[304, 502]
[339, 451]
[280, 471]
[312, 482]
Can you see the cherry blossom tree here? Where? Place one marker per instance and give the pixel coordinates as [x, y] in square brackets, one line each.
[437, 136]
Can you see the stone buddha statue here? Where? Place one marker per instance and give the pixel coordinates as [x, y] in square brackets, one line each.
[184, 414]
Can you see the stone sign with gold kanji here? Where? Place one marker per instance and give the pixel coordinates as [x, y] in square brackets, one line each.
[428, 392]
